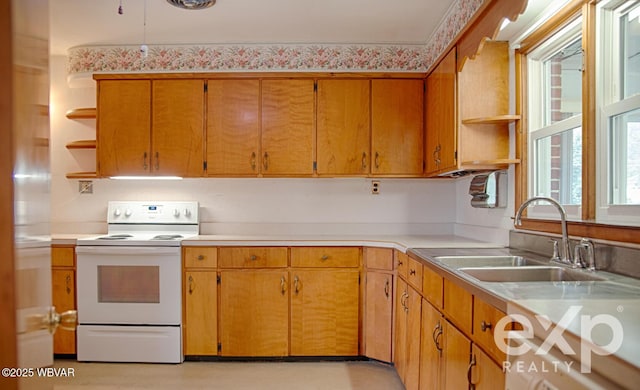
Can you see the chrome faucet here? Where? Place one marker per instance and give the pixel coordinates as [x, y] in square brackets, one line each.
[565, 256]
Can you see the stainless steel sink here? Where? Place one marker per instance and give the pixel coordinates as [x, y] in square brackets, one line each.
[486, 261]
[528, 274]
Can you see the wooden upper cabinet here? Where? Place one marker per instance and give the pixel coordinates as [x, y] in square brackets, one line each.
[233, 127]
[343, 133]
[123, 127]
[177, 141]
[441, 116]
[397, 112]
[288, 122]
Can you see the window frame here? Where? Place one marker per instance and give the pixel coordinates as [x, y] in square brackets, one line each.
[587, 225]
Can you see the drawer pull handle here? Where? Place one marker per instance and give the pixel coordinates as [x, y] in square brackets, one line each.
[324, 257]
[485, 325]
[364, 160]
[472, 363]
[191, 285]
[296, 284]
[412, 272]
[386, 289]
[283, 285]
[400, 263]
[437, 333]
[200, 257]
[253, 161]
[253, 258]
[68, 284]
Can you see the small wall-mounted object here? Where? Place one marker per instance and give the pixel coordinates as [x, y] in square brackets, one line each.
[489, 190]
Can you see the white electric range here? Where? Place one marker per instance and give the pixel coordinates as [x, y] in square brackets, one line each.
[129, 283]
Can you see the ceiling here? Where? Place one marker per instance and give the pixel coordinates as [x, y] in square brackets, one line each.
[97, 22]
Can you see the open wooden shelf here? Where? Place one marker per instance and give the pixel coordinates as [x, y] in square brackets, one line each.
[81, 175]
[82, 144]
[82, 113]
[491, 120]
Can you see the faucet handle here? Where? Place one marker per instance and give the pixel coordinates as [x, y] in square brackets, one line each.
[556, 250]
[589, 248]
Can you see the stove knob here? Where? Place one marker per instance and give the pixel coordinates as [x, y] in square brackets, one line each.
[117, 212]
[187, 213]
[176, 213]
[127, 213]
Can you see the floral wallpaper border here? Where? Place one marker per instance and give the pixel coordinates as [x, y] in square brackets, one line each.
[318, 57]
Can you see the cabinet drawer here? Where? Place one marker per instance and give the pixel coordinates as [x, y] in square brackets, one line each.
[252, 257]
[414, 274]
[458, 304]
[325, 257]
[200, 257]
[402, 263]
[432, 286]
[485, 318]
[63, 256]
[379, 258]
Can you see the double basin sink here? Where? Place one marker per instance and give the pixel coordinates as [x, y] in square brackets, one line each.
[508, 268]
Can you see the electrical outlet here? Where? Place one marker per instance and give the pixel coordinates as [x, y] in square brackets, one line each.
[375, 187]
[85, 187]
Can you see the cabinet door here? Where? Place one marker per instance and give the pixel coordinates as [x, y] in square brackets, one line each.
[485, 374]
[441, 122]
[378, 315]
[233, 127]
[414, 321]
[343, 127]
[397, 112]
[200, 313]
[64, 298]
[457, 351]
[200, 257]
[254, 313]
[324, 312]
[177, 144]
[288, 116]
[124, 127]
[400, 342]
[431, 342]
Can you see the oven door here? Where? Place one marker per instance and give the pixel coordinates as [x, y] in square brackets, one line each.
[138, 285]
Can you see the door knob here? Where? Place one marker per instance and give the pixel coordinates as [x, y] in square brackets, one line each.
[53, 320]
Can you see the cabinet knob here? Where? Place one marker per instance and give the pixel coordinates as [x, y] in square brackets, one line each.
[485, 325]
[412, 272]
[253, 257]
[324, 257]
[200, 257]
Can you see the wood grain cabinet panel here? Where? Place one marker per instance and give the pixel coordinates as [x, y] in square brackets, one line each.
[456, 352]
[378, 315]
[64, 298]
[432, 287]
[288, 122]
[432, 344]
[458, 305]
[343, 132]
[485, 374]
[253, 257]
[397, 112]
[233, 127]
[325, 257]
[200, 257]
[378, 258]
[485, 319]
[123, 127]
[254, 313]
[325, 312]
[200, 326]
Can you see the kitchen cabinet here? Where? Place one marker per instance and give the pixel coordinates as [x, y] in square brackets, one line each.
[378, 303]
[458, 305]
[343, 130]
[63, 280]
[200, 301]
[325, 301]
[254, 312]
[431, 348]
[407, 337]
[483, 373]
[200, 327]
[397, 112]
[150, 127]
[233, 127]
[475, 136]
[288, 123]
[456, 350]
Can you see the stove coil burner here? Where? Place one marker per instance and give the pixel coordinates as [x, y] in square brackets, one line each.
[115, 237]
[167, 237]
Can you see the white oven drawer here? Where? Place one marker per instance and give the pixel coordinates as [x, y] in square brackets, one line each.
[141, 344]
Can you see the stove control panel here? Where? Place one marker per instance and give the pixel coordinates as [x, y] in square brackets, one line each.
[137, 212]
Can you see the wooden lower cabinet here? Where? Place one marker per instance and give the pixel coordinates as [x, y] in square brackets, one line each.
[456, 353]
[431, 339]
[485, 374]
[407, 341]
[325, 312]
[378, 315]
[254, 313]
[200, 313]
[64, 298]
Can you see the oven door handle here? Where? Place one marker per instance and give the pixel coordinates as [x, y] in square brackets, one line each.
[127, 250]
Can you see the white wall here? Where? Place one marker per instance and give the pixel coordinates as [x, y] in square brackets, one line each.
[253, 205]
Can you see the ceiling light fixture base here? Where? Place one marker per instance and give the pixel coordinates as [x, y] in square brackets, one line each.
[192, 4]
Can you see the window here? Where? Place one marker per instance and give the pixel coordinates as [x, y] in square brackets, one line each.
[618, 49]
[579, 90]
[555, 119]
